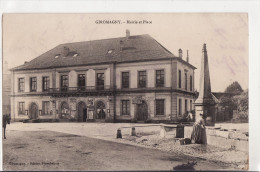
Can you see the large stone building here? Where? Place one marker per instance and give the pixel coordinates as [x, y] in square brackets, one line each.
[132, 78]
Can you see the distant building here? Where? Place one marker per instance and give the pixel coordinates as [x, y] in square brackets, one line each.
[132, 78]
[6, 91]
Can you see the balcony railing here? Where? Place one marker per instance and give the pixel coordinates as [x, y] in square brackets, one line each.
[80, 89]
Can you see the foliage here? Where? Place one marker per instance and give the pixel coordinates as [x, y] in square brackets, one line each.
[235, 99]
[242, 103]
[234, 88]
[227, 101]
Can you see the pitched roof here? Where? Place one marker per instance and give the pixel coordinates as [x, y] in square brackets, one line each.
[135, 48]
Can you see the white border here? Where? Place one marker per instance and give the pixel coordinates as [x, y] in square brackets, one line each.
[252, 7]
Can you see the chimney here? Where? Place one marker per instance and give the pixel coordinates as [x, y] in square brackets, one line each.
[127, 32]
[180, 53]
[66, 51]
[121, 45]
[187, 56]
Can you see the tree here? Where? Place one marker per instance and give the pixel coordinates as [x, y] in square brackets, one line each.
[242, 104]
[227, 102]
[234, 88]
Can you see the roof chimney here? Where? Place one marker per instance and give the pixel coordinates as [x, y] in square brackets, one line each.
[127, 32]
[66, 51]
[187, 56]
[180, 53]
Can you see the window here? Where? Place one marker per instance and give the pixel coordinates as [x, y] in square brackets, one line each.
[46, 108]
[81, 81]
[190, 83]
[45, 83]
[186, 82]
[21, 108]
[159, 78]
[142, 79]
[20, 84]
[64, 82]
[110, 51]
[125, 79]
[57, 56]
[186, 105]
[33, 84]
[159, 106]
[100, 81]
[125, 107]
[75, 55]
[190, 104]
[180, 107]
[179, 78]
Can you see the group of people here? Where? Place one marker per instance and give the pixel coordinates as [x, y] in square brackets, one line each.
[198, 134]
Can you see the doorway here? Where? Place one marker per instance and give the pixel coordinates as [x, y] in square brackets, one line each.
[33, 111]
[100, 110]
[82, 112]
[142, 111]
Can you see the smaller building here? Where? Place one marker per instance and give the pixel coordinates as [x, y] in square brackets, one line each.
[6, 90]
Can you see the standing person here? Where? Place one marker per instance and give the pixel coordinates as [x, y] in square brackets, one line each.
[198, 134]
[189, 117]
[6, 119]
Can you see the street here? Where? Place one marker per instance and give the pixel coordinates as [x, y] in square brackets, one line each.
[49, 150]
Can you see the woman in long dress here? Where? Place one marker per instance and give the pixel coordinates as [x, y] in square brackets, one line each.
[198, 134]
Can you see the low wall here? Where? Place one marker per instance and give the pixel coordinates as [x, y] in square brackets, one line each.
[228, 139]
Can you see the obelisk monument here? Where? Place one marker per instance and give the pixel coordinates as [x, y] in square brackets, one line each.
[205, 104]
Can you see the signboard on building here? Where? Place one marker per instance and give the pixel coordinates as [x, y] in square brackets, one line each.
[137, 100]
[73, 104]
[90, 115]
[90, 103]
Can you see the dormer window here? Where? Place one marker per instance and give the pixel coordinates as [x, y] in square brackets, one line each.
[57, 56]
[75, 55]
[109, 51]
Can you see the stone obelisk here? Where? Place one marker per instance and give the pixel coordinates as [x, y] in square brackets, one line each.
[205, 104]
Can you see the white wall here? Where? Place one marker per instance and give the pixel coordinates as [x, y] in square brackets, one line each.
[149, 67]
[27, 77]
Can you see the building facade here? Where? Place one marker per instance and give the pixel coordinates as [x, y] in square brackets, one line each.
[6, 90]
[127, 79]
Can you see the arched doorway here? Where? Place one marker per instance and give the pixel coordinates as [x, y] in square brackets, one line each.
[142, 111]
[33, 111]
[65, 110]
[100, 110]
[82, 112]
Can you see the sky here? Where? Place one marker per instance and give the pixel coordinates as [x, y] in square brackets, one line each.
[26, 36]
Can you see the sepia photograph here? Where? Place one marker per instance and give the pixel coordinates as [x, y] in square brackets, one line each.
[125, 91]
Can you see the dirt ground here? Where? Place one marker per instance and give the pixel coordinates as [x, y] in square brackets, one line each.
[49, 150]
[237, 159]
